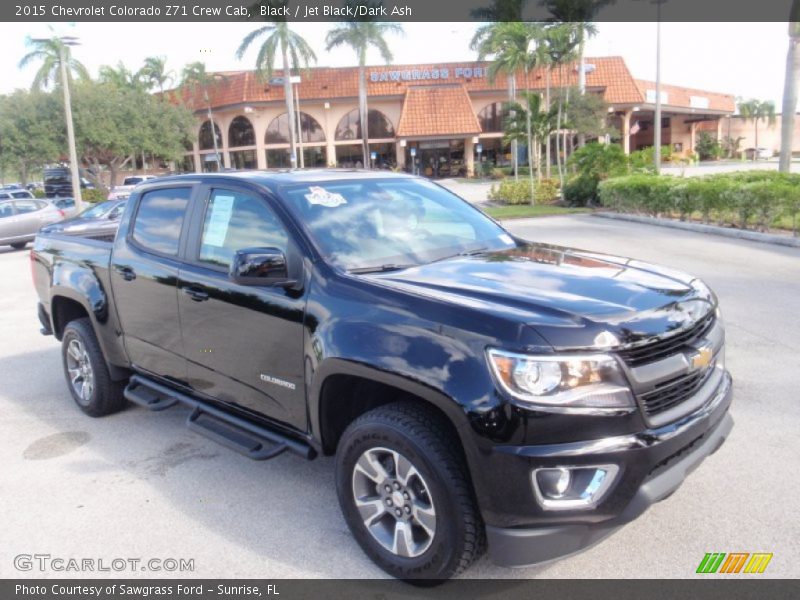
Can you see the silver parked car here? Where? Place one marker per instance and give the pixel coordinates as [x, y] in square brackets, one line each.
[21, 218]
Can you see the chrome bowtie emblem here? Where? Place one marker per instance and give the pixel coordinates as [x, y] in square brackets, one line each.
[701, 358]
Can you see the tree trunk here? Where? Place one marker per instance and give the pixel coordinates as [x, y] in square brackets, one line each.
[529, 138]
[559, 158]
[582, 81]
[363, 114]
[755, 150]
[512, 96]
[289, 95]
[789, 106]
[547, 157]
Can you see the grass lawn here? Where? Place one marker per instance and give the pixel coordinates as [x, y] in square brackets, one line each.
[524, 211]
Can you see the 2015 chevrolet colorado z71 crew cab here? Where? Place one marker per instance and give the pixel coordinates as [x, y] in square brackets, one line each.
[477, 389]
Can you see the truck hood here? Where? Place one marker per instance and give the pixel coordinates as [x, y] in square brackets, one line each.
[572, 298]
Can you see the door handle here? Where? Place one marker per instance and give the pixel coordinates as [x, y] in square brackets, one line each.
[195, 294]
[126, 273]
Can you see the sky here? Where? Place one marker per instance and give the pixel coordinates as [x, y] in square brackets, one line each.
[743, 59]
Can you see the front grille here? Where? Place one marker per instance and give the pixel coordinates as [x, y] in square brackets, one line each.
[648, 352]
[673, 391]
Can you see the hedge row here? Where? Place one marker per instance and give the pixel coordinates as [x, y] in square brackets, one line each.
[747, 199]
[510, 191]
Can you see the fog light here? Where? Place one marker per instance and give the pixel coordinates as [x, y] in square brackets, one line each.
[573, 488]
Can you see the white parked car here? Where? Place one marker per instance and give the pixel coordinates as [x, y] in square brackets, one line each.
[120, 192]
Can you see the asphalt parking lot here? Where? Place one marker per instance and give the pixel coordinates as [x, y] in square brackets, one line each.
[140, 485]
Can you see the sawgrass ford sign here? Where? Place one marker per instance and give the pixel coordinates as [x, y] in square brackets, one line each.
[443, 73]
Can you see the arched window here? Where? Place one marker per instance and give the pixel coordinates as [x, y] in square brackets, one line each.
[349, 128]
[241, 133]
[205, 139]
[278, 130]
[491, 118]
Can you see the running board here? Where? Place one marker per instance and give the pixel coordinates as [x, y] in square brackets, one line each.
[245, 437]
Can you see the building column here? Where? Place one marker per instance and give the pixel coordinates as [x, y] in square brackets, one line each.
[692, 134]
[198, 167]
[469, 155]
[400, 155]
[719, 129]
[626, 131]
[330, 138]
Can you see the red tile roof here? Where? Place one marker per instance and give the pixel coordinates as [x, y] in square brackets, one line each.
[610, 75]
[681, 96]
[437, 110]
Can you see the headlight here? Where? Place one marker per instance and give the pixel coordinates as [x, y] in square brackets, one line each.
[587, 383]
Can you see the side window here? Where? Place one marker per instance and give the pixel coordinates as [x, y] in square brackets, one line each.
[6, 210]
[26, 206]
[234, 221]
[159, 219]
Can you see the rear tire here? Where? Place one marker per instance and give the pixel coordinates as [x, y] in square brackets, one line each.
[86, 371]
[404, 490]
[18, 245]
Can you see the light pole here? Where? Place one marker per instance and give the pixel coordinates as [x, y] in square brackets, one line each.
[657, 119]
[63, 42]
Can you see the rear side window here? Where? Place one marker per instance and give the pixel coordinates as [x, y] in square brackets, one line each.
[159, 219]
[28, 206]
[6, 210]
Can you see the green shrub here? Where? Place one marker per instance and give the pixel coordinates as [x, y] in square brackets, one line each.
[599, 161]
[519, 192]
[754, 198]
[37, 193]
[580, 191]
[93, 195]
[707, 146]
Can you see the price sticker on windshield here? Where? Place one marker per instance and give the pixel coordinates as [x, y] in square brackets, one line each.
[322, 197]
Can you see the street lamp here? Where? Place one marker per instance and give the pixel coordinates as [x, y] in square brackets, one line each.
[64, 41]
[657, 119]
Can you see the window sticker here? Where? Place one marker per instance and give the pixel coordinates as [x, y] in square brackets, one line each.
[220, 218]
[321, 196]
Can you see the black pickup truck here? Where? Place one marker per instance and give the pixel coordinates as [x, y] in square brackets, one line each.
[476, 389]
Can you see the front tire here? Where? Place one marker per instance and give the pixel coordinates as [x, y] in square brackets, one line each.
[86, 371]
[405, 493]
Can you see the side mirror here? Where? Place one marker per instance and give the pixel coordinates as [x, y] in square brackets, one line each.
[260, 266]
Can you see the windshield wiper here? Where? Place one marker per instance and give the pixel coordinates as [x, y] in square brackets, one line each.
[380, 268]
[474, 252]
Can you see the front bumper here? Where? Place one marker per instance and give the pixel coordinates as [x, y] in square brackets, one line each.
[669, 454]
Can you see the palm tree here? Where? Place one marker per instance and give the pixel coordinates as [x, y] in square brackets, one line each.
[755, 111]
[360, 35]
[562, 43]
[120, 76]
[535, 112]
[580, 14]
[789, 105]
[294, 52]
[154, 72]
[194, 77]
[513, 46]
[49, 53]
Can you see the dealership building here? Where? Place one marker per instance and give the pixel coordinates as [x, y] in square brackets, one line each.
[441, 118]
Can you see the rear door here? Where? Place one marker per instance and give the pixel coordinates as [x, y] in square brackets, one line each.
[8, 220]
[244, 344]
[144, 274]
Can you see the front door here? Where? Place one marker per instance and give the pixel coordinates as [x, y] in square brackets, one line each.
[144, 274]
[243, 343]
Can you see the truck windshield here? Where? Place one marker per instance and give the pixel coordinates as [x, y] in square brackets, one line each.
[384, 224]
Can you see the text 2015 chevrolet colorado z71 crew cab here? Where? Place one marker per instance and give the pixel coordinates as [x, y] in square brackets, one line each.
[476, 389]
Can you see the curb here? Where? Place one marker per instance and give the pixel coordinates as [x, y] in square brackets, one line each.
[753, 236]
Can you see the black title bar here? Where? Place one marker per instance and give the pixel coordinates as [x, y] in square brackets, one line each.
[399, 10]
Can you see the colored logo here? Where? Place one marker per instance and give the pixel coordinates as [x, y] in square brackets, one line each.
[735, 562]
